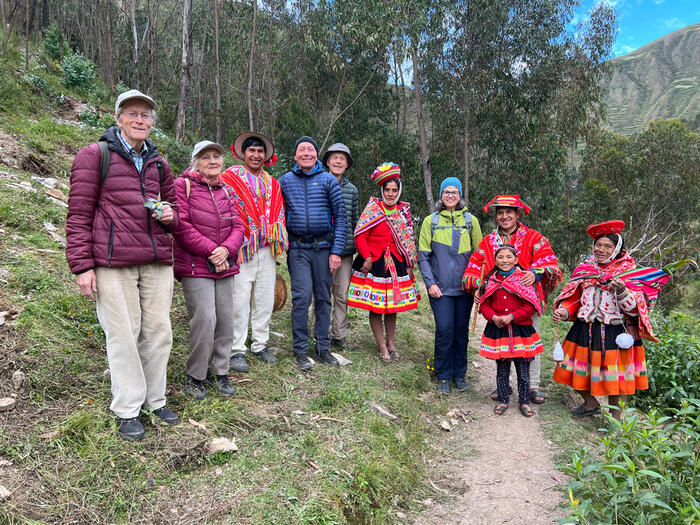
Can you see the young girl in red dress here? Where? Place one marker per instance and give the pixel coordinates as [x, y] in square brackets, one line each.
[508, 306]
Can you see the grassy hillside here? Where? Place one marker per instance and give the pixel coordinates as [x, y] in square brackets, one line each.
[659, 80]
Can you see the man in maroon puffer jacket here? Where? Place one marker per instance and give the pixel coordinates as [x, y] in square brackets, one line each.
[120, 249]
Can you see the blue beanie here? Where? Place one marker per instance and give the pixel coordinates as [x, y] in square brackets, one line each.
[451, 181]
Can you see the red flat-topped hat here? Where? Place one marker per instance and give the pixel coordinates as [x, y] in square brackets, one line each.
[507, 201]
[386, 171]
[596, 230]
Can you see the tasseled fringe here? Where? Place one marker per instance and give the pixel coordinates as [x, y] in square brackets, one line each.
[276, 238]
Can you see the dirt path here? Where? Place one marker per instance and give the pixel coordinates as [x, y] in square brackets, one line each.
[496, 470]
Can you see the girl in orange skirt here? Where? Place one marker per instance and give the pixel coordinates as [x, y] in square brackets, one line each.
[603, 351]
[509, 336]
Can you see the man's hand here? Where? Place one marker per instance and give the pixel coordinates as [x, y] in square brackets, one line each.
[528, 279]
[367, 265]
[166, 216]
[87, 283]
[219, 255]
[334, 262]
[434, 291]
[560, 314]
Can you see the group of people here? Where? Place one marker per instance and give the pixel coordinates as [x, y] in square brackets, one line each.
[132, 228]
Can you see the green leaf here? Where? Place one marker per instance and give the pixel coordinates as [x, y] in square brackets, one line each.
[651, 473]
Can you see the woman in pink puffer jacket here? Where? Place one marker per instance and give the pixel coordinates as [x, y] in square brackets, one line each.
[207, 241]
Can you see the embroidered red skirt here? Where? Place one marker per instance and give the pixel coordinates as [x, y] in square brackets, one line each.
[376, 290]
[593, 362]
[513, 340]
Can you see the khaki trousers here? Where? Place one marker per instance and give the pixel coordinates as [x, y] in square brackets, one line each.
[254, 298]
[339, 288]
[133, 307]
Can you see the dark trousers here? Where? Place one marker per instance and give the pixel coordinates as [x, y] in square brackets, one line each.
[451, 314]
[522, 369]
[310, 276]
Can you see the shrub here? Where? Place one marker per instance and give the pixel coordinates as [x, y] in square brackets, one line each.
[674, 373]
[78, 72]
[38, 84]
[649, 471]
[52, 43]
[91, 118]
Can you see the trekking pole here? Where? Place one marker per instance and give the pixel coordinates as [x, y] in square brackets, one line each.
[478, 304]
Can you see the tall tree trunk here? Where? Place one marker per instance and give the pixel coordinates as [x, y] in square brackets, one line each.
[110, 37]
[250, 66]
[197, 120]
[404, 106]
[425, 160]
[335, 109]
[467, 166]
[26, 42]
[135, 35]
[217, 116]
[184, 71]
[396, 86]
[4, 28]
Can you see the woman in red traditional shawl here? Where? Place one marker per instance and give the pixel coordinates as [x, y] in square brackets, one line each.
[508, 305]
[382, 275]
[603, 351]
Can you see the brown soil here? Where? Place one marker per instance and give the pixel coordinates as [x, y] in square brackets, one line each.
[494, 469]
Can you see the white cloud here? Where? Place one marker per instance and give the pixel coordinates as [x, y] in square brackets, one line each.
[673, 23]
[623, 49]
[659, 2]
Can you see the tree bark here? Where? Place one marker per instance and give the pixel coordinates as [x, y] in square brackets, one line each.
[396, 86]
[110, 37]
[197, 121]
[4, 28]
[135, 58]
[250, 66]
[217, 115]
[425, 160]
[184, 71]
[335, 109]
[467, 167]
[404, 107]
[26, 42]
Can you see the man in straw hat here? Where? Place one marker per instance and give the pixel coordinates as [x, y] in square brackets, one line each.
[261, 207]
[338, 160]
[316, 222]
[123, 254]
[534, 255]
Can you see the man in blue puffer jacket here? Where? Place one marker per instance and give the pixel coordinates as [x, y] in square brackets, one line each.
[317, 230]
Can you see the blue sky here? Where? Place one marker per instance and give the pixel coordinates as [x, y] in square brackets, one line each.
[643, 21]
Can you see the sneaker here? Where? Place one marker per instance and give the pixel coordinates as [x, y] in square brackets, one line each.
[443, 386]
[265, 356]
[222, 384]
[326, 358]
[338, 343]
[166, 415]
[239, 364]
[304, 363]
[461, 384]
[130, 429]
[195, 388]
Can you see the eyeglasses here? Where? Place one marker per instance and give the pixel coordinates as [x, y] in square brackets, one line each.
[133, 115]
[448, 193]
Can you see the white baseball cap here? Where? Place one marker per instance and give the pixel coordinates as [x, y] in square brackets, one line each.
[133, 94]
[206, 144]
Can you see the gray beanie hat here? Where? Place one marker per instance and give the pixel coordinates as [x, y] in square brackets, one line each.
[338, 147]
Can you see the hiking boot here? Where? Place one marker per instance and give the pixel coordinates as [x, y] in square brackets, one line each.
[443, 386]
[239, 364]
[265, 356]
[195, 388]
[326, 358]
[222, 384]
[304, 363]
[166, 415]
[130, 429]
[461, 384]
[338, 343]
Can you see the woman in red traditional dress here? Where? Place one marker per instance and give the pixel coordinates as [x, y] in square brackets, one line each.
[382, 275]
[508, 305]
[603, 351]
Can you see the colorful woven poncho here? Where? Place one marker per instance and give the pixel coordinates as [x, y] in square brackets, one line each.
[513, 285]
[261, 208]
[534, 253]
[643, 283]
[399, 223]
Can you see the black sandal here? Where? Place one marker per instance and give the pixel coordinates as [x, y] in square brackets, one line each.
[500, 408]
[537, 397]
[527, 412]
[582, 411]
[494, 394]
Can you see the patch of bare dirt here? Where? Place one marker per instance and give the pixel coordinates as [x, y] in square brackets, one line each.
[10, 152]
[494, 469]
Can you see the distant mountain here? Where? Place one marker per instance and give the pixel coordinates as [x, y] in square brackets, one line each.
[659, 80]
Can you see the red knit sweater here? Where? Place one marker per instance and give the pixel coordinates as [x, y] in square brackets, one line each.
[502, 302]
[373, 242]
